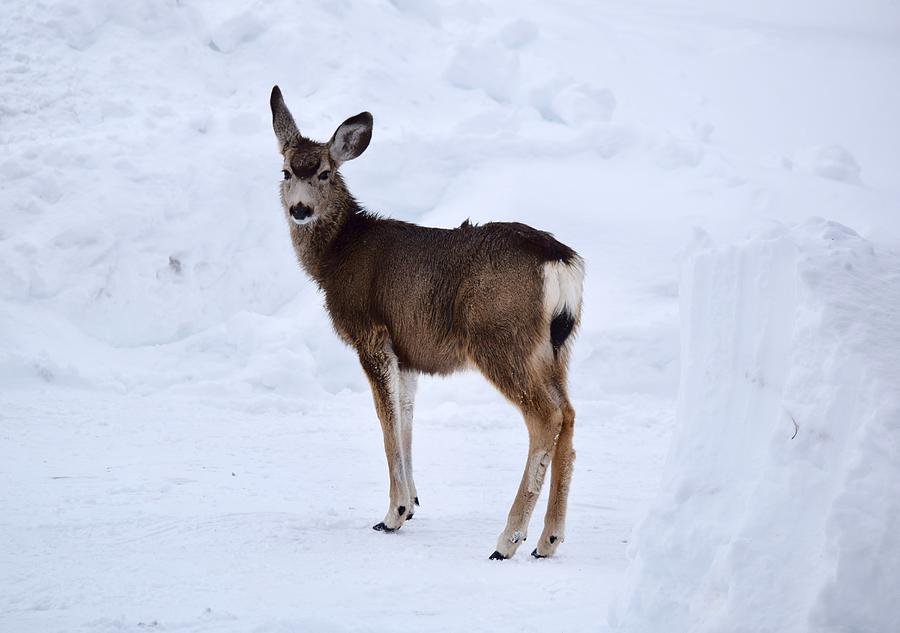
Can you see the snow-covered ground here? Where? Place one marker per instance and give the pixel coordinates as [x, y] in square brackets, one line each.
[185, 445]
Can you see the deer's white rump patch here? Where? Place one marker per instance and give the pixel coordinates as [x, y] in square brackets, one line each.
[563, 287]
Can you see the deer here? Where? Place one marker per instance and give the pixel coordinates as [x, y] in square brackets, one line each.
[501, 297]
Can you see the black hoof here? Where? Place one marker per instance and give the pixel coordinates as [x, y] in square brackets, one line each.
[552, 540]
[401, 510]
[381, 527]
[497, 556]
[416, 501]
[536, 555]
[409, 516]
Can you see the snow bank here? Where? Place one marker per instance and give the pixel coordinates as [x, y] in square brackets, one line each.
[779, 508]
[832, 162]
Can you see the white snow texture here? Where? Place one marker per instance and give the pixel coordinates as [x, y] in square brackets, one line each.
[186, 446]
[779, 508]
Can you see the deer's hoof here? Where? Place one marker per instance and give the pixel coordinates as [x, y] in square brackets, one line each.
[409, 516]
[497, 556]
[536, 555]
[381, 527]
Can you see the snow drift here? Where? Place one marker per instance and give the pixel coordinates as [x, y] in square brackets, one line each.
[779, 508]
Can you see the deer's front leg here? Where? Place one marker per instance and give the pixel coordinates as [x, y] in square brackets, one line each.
[380, 364]
[408, 381]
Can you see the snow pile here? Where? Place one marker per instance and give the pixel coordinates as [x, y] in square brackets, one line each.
[779, 508]
[830, 161]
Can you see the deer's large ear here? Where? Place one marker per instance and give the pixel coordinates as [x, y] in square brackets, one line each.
[351, 138]
[282, 121]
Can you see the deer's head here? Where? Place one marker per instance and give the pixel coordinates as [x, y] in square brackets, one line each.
[310, 169]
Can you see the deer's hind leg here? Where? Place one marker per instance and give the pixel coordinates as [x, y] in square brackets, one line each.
[543, 419]
[380, 363]
[528, 385]
[563, 463]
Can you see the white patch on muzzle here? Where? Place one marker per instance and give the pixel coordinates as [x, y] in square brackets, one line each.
[298, 193]
[305, 220]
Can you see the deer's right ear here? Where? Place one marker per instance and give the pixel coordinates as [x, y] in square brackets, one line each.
[282, 121]
[352, 138]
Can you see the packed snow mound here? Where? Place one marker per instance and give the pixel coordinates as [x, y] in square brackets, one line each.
[779, 509]
[832, 162]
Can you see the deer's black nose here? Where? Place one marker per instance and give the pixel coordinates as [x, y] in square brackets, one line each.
[301, 212]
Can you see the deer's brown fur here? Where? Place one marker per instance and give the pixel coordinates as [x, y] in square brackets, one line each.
[412, 299]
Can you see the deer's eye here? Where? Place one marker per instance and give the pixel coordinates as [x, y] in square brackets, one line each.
[324, 175]
[286, 174]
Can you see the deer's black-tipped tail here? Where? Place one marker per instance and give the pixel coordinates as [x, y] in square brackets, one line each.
[563, 283]
[560, 328]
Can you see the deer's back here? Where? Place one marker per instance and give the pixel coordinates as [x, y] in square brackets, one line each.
[439, 290]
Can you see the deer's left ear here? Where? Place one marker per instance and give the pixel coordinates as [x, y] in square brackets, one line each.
[282, 121]
[351, 138]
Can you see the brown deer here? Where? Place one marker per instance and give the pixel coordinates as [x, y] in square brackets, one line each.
[503, 297]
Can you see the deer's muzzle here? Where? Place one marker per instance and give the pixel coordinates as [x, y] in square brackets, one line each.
[301, 213]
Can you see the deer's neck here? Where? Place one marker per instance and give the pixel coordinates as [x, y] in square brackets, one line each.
[313, 242]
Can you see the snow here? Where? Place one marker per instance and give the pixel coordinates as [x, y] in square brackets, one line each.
[778, 509]
[156, 334]
[202, 513]
[831, 161]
